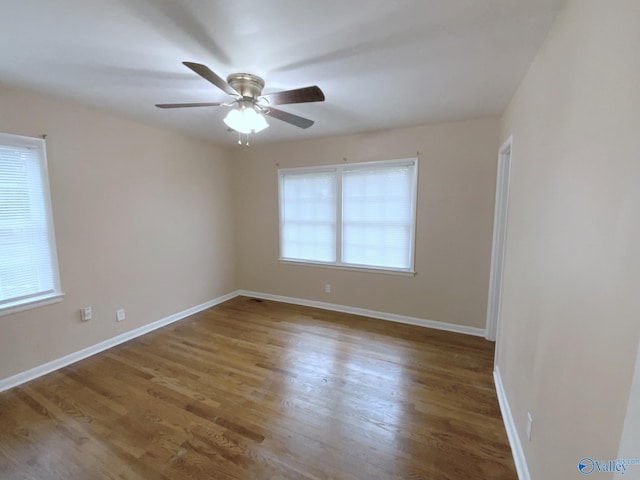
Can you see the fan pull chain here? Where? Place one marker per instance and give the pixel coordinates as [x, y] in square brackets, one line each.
[246, 143]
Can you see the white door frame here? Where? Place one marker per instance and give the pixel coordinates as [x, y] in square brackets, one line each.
[499, 239]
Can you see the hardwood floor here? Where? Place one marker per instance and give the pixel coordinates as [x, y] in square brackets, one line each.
[262, 390]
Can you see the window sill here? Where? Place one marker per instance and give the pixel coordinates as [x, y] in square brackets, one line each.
[35, 302]
[384, 271]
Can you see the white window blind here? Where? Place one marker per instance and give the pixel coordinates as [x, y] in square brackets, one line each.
[378, 216]
[28, 264]
[308, 216]
[356, 215]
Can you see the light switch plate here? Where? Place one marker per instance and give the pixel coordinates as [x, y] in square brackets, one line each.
[86, 314]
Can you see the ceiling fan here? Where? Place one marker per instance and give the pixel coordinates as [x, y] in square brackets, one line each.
[249, 104]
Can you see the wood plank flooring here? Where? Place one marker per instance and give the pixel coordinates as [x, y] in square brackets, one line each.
[262, 390]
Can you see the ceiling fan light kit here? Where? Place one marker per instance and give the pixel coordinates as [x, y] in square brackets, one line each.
[245, 120]
[249, 105]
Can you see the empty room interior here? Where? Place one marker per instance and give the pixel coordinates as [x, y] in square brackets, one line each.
[320, 240]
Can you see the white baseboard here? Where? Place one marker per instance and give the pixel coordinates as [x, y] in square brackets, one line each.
[512, 433]
[392, 317]
[40, 370]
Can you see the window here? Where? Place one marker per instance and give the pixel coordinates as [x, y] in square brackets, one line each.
[353, 215]
[28, 263]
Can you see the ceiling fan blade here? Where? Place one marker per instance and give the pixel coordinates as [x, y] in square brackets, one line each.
[206, 73]
[289, 118]
[186, 105]
[299, 95]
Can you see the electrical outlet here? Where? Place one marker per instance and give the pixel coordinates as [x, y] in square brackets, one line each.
[86, 314]
[327, 288]
[529, 425]
[120, 315]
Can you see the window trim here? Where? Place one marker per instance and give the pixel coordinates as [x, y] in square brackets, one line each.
[55, 295]
[31, 302]
[338, 169]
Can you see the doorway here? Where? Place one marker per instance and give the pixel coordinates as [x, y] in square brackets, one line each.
[499, 240]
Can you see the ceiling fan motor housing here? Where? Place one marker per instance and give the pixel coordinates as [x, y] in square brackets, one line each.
[246, 84]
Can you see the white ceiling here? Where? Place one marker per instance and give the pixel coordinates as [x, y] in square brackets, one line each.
[381, 63]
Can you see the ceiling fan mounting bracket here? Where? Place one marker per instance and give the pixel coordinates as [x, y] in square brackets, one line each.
[246, 84]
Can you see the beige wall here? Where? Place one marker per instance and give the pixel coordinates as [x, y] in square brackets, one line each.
[569, 328]
[455, 214]
[143, 222]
